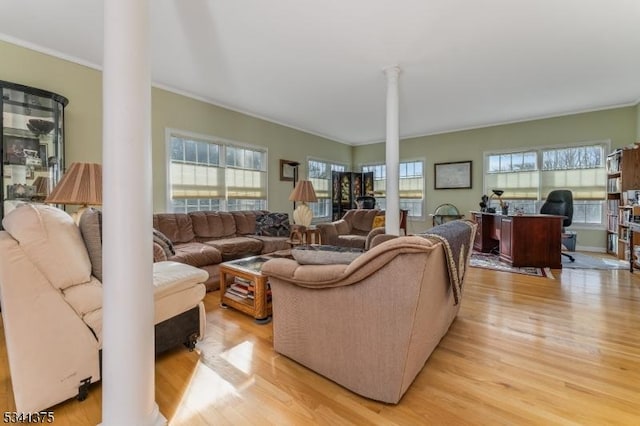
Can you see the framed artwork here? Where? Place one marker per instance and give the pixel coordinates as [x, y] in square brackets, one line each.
[288, 170]
[455, 175]
[18, 149]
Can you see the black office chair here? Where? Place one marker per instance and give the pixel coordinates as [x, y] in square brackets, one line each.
[560, 202]
[366, 202]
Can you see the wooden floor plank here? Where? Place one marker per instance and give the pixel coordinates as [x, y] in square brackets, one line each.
[523, 350]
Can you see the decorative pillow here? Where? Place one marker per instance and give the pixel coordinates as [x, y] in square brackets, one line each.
[324, 255]
[273, 225]
[378, 221]
[91, 229]
[164, 242]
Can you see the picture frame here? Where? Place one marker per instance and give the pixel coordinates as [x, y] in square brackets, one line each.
[15, 146]
[288, 169]
[452, 175]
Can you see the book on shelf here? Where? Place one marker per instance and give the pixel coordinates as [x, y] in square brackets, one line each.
[233, 292]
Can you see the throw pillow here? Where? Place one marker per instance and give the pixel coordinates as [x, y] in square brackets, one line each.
[324, 255]
[273, 225]
[378, 222]
[91, 229]
[164, 242]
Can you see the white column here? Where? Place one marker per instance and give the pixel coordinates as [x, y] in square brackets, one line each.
[128, 382]
[392, 146]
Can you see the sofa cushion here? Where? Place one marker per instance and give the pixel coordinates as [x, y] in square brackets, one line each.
[196, 254]
[273, 225]
[91, 229]
[324, 255]
[176, 226]
[362, 220]
[237, 247]
[352, 240]
[246, 221]
[209, 225]
[86, 297]
[271, 244]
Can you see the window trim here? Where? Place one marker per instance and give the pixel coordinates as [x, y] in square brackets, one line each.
[186, 134]
[319, 219]
[606, 143]
[423, 160]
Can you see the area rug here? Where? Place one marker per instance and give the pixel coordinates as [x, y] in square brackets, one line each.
[491, 261]
[594, 261]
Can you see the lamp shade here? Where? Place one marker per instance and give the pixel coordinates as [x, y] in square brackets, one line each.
[303, 192]
[81, 184]
[42, 185]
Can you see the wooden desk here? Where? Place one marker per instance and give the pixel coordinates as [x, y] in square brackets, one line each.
[526, 240]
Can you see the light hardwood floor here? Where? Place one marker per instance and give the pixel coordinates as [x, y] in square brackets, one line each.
[523, 350]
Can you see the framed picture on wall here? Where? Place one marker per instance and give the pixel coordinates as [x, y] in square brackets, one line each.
[288, 170]
[454, 175]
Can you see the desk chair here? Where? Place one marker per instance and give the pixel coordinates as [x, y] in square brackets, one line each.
[366, 202]
[560, 202]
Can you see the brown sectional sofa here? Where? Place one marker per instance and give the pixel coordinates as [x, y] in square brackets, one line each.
[205, 239]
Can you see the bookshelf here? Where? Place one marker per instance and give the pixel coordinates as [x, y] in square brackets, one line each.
[623, 193]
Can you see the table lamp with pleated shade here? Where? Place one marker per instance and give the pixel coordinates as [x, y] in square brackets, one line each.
[303, 193]
[81, 185]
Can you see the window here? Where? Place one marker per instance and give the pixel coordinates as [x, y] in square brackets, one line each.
[208, 174]
[527, 176]
[411, 185]
[320, 177]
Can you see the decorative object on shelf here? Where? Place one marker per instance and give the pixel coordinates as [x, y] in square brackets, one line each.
[455, 175]
[303, 193]
[484, 203]
[445, 213]
[81, 185]
[40, 127]
[504, 207]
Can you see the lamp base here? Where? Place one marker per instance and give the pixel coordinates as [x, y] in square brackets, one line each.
[302, 215]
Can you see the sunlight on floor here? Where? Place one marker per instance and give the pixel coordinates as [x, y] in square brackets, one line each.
[240, 356]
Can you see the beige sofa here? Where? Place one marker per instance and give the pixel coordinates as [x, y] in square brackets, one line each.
[371, 325]
[52, 307]
[205, 239]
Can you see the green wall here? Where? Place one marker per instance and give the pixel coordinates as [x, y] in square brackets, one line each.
[83, 121]
[83, 86]
[617, 125]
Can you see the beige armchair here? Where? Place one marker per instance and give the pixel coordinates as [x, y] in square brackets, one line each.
[351, 230]
[371, 325]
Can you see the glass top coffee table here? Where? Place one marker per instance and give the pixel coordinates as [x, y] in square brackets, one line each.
[243, 287]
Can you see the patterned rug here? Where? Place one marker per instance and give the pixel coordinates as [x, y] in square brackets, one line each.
[491, 261]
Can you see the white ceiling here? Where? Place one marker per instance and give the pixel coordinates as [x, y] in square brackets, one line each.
[318, 65]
